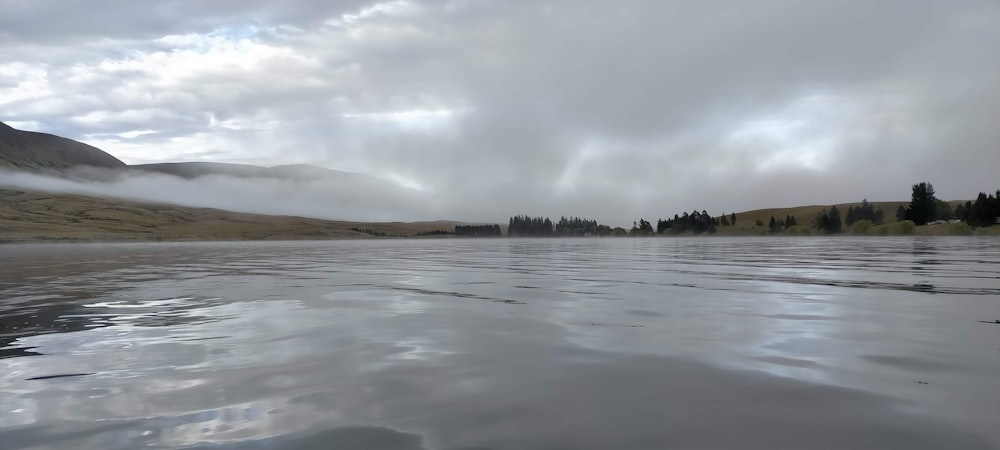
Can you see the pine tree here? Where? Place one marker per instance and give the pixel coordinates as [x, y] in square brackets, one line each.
[835, 223]
[901, 213]
[922, 204]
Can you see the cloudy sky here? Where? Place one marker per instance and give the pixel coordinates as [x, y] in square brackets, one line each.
[612, 110]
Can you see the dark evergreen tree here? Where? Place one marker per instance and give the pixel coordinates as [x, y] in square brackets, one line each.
[985, 210]
[835, 222]
[576, 226]
[922, 204]
[642, 228]
[732, 218]
[829, 222]
[789, 221]
[864, 212]
[697, 222]
[773, 225]
[959, 212]
[901, 213]
[529, 226]
[478, 230]
[662, 225]
[942, 210]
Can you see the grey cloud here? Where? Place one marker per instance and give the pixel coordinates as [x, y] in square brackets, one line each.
[611, 110]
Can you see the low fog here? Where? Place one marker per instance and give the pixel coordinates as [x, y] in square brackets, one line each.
[319, 198]
[351, 198]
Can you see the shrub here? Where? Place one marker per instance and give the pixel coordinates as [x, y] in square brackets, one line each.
[893, 229]
[862, 226]
[800, 230]
[880, 230]
[988, 231]
[959, 229]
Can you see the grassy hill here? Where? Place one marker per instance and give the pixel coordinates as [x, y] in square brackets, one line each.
[42, 216]
[804, 215]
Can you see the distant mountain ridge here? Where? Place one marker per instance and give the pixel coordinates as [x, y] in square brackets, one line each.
[40, 152]
[191, 170]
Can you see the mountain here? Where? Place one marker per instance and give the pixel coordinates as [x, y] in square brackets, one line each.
[41, 152]
[302, 190]
[191, 170]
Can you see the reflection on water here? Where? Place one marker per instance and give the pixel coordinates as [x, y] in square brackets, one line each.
[521, 344]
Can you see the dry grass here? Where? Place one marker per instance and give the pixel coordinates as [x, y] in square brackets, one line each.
[988, 231]
[804, 215]
[41, 216]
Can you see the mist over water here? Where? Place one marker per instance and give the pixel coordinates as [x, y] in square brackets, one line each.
[324, 198]
[502, 344]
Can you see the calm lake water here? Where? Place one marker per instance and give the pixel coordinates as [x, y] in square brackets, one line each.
[502, 344]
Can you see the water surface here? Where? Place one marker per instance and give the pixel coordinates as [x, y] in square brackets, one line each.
[502, 344]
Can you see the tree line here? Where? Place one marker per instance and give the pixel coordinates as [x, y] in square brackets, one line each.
[478, 230]
[697, 222]
[864, 212]
[576, 226]
[529, 226]
[983, 212]
[922, 209]
[566, 226]
[779, 225]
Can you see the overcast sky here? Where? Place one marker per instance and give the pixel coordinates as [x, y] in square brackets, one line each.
[612, 110]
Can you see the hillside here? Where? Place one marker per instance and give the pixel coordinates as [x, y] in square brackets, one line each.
[804, 215]
[40, 152]
[42, 216]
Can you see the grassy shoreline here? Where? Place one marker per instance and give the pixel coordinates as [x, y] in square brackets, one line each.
[35, 216]
[925, 231]
[44, 217]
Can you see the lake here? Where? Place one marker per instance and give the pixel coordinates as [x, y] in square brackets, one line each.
[502, 344]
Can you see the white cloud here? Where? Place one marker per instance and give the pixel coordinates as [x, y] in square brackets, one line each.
[522, 106]
[136, 133]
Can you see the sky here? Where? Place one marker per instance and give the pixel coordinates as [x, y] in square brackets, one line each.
[486, 109]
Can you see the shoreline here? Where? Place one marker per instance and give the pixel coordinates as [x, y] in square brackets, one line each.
[29, 216]
[987, 232]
